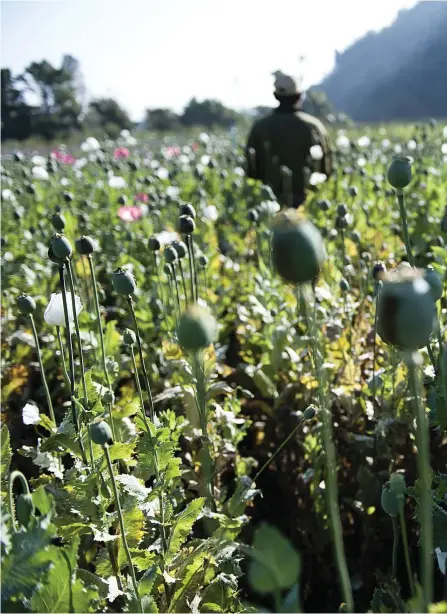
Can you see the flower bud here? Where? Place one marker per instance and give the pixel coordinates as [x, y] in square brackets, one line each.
[297, 247]
[26, 304]
[101, 433]
[180, 248]
[61, 247]
[58, 222]
[434, 281]
[170, 254]
[405, 309]
[197, 328]
[391, 502]
[129, 337]
[186, 225]
[153, 244]
[123, 282]
[85, 245]
[24, 509]
[188, 209]
[399, 172]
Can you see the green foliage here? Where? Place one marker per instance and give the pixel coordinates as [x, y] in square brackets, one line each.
[181, 527]
[5, 456]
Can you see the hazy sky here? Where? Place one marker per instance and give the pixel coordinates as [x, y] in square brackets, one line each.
[150, 53]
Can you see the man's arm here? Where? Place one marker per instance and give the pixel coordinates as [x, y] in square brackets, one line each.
[327, 162]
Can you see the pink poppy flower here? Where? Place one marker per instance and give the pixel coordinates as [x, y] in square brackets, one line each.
[121, 152]
[141, 197]
[195, 146]
[68, 159]
[172, 151]
[129, 214]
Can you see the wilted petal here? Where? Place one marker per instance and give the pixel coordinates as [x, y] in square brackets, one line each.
[54, 313]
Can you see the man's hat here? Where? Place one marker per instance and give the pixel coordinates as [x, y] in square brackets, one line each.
[285, 85]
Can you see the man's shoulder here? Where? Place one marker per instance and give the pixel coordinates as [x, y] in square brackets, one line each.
[311, 121]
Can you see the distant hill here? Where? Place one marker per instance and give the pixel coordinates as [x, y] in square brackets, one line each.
[399, 73]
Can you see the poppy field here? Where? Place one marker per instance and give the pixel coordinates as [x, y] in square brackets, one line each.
[214, 403]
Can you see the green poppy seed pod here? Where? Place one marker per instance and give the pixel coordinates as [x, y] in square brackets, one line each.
[353, 191]
[342, 210]
[58, 221]
[123, 282]
[341, 222]
[85, 245]
[101, 433]
[153, 244]
[180, 248]
[434, 281]
[121, 200]
[188, 209]
[405, 309]
[355, 236]
[186, 225]
[324, 205]
[252, 216]
[61, 246]
[397, 484]
[170, 254]
[68, 197]
[24, 509]
[108, 397]
[297, 247]
[399, 172]
[309, 412]
[378, 271]
[53, 258]
[344, 285]
[26, 304]
[391, 502]
[133, 166]
[129, 337]
[197, 328]
[343, 608]
[202, 261]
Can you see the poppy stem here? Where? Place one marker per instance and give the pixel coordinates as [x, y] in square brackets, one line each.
[16, 475]
[395, 546]
[42, 371]
[403, 219]
[403, 529]
[61, 349]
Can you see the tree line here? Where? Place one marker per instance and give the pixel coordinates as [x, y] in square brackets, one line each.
[48, 101]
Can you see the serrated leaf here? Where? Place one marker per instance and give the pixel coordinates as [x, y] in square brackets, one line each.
[182, 526]
[5, 458]
[42, 500]
[219, 388]
[178, 600]
[121, 451]
[46, 422]
[275, 564]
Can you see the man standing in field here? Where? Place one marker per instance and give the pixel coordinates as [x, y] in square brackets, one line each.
[279, 145]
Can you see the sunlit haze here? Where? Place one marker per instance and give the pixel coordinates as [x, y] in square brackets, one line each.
[157, 53]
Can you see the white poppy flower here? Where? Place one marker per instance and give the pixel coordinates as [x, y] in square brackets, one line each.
[162, 173]
[412, 145]
[65, 182]
[79, 164]
[166, 238]
[114, 591]
[210, 213]
[39, 172]
[361, 161]
[317, 178]
[343, 142]
[154, 164]
[54, 313]
[38, 160]
[124, 134]
[398, 148]
[30, 414]
[444, 148]
[8, 194]
[239, 171]
[90, 144]
[204, 138]
[118, 183]
[173, 192]
[316, 152]
[205, 160]
[442, 560]
[444, 132]
[364, 141]
[386, 143]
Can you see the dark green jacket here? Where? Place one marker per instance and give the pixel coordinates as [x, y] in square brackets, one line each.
[284, 138]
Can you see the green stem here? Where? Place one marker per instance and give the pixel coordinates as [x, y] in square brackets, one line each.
[101, 337]
[61, 349]
[191, 272]
[122, 528]
[403, 219]
[160, 291]
[333, 511]
[19, 475]
[374, 383]
[423, 458]
[199, 374]
[183, 281]
[174, 275]
[140, 392]
[194, 266]
[143, 366]
[74, 412]
[277, 451]
[42, 371]
[395, 546]
[403, 529]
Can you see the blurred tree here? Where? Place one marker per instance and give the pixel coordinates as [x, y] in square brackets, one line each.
[161, 119]
[15, 113]
[109, 115]
[208, 113]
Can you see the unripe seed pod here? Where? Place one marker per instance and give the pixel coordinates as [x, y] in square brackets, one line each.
[133, 166]
[397, 484]
[252, 215]
[108, 397]
[309, 412]
[344, 285]
[24, 509]
[26, 304]
[68, 197]
[58, 221]
[297, 247]
[378, 270]
[405, 309]
[355, 236]
[434, 281]
[391, 502]
[399, 172]
[341, 222]
[123, 282]
[53, 258]
[129, 337]
[188, 209]
[101, 433]
[121, 200]
[186, 225]
[342, 210]
[197, 328]
[153, 244]
[170, 254]
[202, 261]
[353, 191]
[324, 205]
[85, 245]
[180, 248]
[61, 246]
